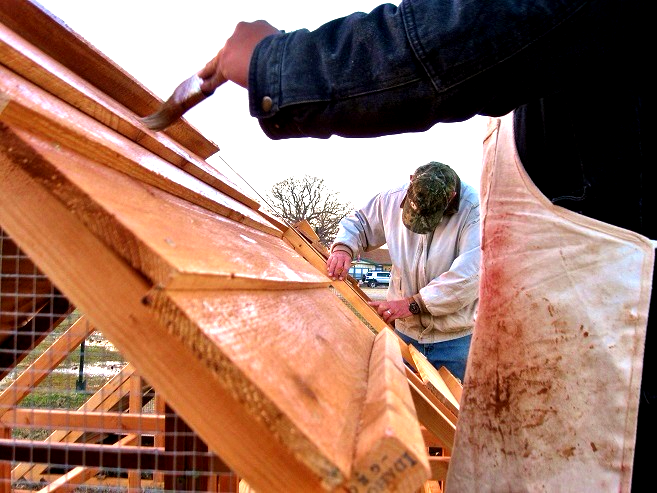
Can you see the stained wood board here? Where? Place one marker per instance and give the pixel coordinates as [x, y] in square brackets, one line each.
[48, 74]
[434, 381]
[390, 452]
[305, 376]
[52, 36]
[26, 106]
[173, 242]
[110, 292]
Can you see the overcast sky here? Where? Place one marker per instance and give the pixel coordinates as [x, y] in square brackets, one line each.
[162, 42]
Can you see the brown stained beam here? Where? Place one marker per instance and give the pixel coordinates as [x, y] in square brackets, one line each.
[104, 399]
[48, 74]
[26, 106]
[53, 37]
[112, 296]
[172, 242]
[44, 364]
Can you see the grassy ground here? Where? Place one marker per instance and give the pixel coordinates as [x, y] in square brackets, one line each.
[66, 387]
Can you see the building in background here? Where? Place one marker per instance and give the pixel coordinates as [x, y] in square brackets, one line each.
[378, 259]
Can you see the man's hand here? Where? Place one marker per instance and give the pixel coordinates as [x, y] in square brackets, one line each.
[232, 61]
[337, 265]
[390, 311]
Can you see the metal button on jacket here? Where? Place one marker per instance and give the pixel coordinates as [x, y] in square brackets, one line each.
[267, 103]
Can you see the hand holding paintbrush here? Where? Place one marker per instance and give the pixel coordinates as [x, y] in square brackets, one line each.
[231, 63]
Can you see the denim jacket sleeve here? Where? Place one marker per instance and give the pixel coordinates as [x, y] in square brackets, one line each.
[405, 68]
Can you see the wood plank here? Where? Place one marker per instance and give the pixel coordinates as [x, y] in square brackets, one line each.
[26, 106]
[351, 293]
[434, 381]
[111, 296]
[5, 465]
[453, 384]
[259, 344]
[439, 467]
[27, 61]
[174, 243]
[110, 422]
[52, 36]
[390, 452]
[110, 456]
[135, 406]
[79, 475]
[431, 417]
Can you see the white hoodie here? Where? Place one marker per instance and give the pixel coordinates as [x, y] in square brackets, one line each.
[440, 269]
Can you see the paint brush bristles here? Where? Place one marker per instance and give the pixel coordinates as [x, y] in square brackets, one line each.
[187, 95]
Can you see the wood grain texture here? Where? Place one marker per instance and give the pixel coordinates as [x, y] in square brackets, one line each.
[159, 233]
[390, 452]
[453, 384]
[302, 375]
[48, 74]
[110, 292]
[26, 106]
[434, 381]
[52, 36]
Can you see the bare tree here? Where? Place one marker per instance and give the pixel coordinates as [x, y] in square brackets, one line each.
[295, 199]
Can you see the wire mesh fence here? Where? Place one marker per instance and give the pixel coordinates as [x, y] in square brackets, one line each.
[74, 414]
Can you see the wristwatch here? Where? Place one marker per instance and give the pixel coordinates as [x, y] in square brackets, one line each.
[414, 308]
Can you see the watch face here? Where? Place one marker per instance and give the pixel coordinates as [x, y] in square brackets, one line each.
[414, 308]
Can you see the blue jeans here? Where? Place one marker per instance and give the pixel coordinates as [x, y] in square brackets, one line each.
[453, 354]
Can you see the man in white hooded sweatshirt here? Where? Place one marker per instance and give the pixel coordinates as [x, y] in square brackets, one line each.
[431, 228]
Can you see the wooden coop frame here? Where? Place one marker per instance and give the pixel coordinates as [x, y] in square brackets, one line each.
[260, 368]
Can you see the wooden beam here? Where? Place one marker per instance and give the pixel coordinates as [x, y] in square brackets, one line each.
[56, 39]
[157, 232]
[434, 381]
[26, 212]
[439, 467]
[25, 105]
[431, 417]
[314, 416]
[104, 399]
[44, 364]
[454, 384]
[106, 421]
[102, 456]
[51, 76]
[390, 452]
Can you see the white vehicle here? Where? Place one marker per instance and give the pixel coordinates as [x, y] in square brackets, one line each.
[375, 278]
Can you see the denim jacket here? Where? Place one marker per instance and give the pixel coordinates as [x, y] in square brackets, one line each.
[576, 71]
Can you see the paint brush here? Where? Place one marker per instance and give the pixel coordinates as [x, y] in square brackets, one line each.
[187, 95]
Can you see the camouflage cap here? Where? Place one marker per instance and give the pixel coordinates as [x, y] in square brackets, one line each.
[428, 196]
